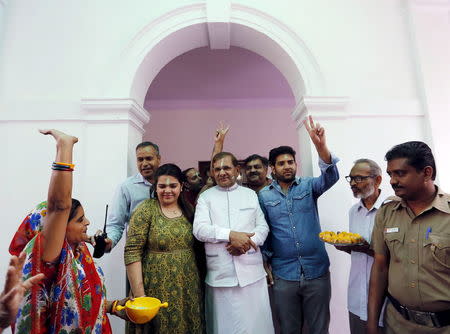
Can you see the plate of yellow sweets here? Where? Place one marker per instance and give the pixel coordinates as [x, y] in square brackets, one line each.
[342, 238]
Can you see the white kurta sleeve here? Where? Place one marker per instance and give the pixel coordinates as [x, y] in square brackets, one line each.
[204, 229]
[261, 229]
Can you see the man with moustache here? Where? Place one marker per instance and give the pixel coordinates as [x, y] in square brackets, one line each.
[256, 168]
[364, 180]
[230, 222]
[131, 192]
[193, 183]
[411, 242]
[299, 262]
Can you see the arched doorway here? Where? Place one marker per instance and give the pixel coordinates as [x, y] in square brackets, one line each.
[199, 89]
[220, 26]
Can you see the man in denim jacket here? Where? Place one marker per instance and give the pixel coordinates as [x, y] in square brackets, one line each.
[296, 255]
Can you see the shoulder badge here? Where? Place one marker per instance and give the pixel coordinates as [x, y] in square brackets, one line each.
[391, 199]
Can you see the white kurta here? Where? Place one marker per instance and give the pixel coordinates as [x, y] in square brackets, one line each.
[237, 300]
[236, 310]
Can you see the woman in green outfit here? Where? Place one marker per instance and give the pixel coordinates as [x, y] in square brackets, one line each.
[160, 258]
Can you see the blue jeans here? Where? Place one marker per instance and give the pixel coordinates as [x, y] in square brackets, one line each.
[302, 301]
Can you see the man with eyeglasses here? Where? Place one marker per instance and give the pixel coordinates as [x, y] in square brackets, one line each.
[364, 180]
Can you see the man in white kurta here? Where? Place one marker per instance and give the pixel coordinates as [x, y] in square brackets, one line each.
[229, 220]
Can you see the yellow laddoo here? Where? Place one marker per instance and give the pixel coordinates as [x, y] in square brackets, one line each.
[340, 237]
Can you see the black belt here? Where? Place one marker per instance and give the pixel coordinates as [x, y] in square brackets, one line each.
[430, 319]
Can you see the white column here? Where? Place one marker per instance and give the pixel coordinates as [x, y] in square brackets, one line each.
[430, 33]
[113, 129]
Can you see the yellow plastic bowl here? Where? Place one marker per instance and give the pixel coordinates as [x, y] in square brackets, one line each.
[142, 309]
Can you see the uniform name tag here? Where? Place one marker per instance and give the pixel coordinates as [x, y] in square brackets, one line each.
[391, 229]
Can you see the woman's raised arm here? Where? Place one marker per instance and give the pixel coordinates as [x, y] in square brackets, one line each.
[59, 198]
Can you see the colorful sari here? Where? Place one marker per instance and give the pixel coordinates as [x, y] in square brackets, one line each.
[72, 298]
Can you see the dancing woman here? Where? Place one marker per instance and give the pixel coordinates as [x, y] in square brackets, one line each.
[72, 298]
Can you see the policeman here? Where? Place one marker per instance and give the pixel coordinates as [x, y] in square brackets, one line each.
[411, 241]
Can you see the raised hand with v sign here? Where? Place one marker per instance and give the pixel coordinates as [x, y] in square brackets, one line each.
[317, 135]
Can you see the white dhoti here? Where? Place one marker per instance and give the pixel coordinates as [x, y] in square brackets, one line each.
[236, 310]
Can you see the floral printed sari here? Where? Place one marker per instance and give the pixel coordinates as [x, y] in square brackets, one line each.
[72, 298]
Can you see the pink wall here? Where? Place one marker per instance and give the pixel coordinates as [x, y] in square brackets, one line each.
[218, 74]
[186, 136]
[197, 90]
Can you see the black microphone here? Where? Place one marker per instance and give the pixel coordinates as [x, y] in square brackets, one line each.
[100, 243]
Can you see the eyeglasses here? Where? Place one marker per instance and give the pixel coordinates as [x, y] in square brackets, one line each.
[358, 178]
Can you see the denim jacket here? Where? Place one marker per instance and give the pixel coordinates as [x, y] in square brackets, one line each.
[293, 244]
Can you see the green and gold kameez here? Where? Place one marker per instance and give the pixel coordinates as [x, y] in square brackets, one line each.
[165, 246]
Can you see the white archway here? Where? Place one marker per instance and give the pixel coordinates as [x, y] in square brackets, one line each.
[215, 24]
[190, 27]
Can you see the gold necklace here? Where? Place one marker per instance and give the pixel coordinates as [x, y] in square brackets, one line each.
[175, 212]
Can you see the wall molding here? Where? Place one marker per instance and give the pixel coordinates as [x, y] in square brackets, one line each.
[388, 108]
[22, 109]
[88, 110]
[341, 108]
[320, 107]
[115, 110]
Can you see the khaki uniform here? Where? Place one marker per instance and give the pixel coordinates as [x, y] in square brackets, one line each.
[419, 265]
